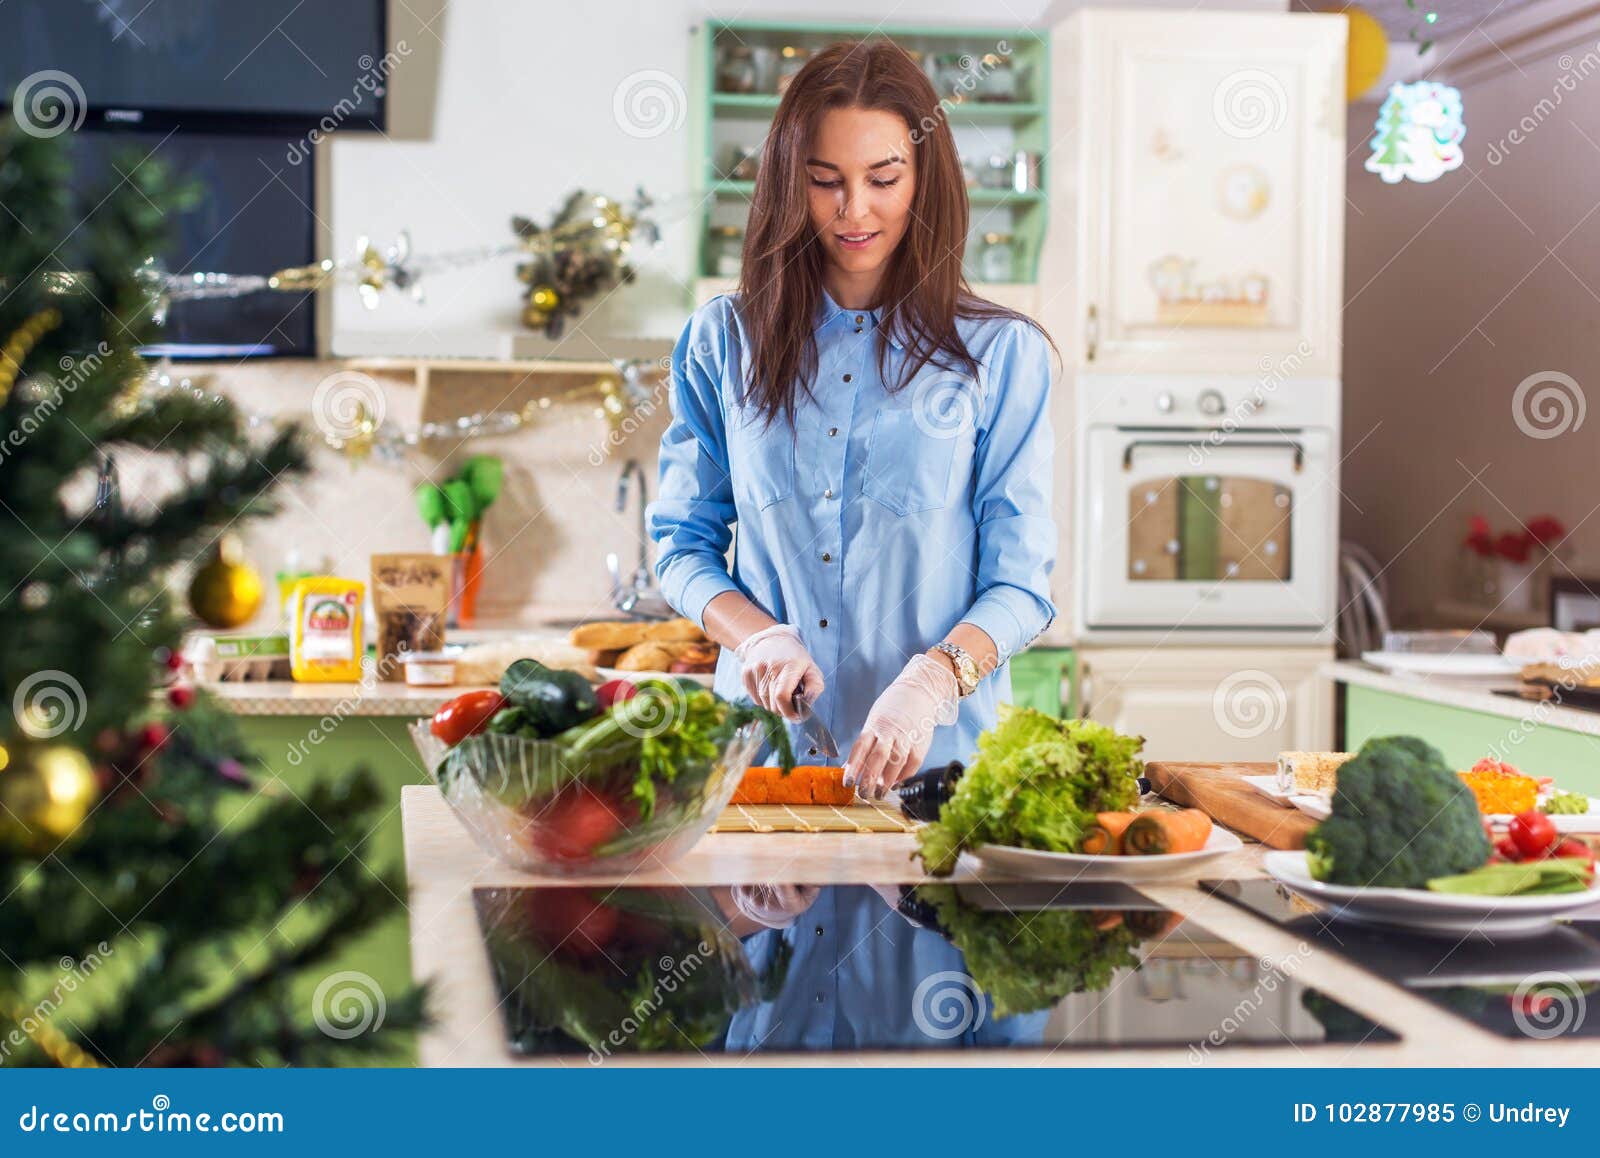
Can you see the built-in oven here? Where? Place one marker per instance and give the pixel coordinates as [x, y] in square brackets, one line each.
[1206, 506]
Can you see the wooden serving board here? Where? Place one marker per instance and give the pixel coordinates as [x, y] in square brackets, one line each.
[863, 816]
[1220, 792]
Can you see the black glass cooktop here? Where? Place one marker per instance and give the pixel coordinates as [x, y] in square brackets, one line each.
[601, 972]
[1535, 987]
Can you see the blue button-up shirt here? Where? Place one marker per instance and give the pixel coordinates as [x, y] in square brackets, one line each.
[861, 977]
[879, 520]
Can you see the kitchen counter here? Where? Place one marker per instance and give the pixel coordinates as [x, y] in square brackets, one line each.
[338, 700]
[1466, 721]
[444, 866]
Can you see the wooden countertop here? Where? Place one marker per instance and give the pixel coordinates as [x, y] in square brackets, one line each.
[444, 865]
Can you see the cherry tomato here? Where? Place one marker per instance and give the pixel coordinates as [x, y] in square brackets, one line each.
[1533, 832]
[576, 822]
[1576, 849]
[572, 922]
[614, 692]
[1507, 848]
[466, 715]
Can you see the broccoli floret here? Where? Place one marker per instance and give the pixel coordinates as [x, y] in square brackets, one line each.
[1400, 817]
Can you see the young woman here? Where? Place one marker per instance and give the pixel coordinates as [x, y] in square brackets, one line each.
[879, 435]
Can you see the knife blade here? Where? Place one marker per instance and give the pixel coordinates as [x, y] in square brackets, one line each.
[819, 730]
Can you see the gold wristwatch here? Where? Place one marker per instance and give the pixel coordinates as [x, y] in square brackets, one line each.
[966, 667]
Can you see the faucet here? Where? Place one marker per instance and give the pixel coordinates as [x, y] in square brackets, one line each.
[640, 597]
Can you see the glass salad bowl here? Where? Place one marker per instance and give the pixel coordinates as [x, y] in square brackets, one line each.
[603, 800]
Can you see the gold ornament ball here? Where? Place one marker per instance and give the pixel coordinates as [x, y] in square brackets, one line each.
[534, 319]
[46, 791]
[1367, 54]
[544, 298]
[225, 591]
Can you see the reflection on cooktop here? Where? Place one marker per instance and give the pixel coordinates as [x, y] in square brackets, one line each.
[1535, 987]
[602, 971]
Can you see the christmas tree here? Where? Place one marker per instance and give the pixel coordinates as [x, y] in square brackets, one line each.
[161, 902]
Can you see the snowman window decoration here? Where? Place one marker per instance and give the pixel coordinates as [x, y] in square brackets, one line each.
[1418, 133]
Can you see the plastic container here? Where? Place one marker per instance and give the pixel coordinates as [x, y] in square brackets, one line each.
[325, 625]
[523, 805]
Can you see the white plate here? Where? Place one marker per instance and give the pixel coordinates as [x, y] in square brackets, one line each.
[1572, 822]
[1313, 805]
[1075, 866]
[703, 678]
[1460, 665]
[1268, 787]
[1422, 911]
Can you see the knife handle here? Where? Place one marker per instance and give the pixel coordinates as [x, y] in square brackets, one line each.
[923, 795]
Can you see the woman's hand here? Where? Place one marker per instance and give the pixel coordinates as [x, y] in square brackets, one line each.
[899, 729]
[776, 664]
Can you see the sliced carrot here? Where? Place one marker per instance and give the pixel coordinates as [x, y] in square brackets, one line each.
[1164, 831]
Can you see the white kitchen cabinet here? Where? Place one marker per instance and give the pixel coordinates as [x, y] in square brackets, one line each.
[1211, 703]
[1197, 192]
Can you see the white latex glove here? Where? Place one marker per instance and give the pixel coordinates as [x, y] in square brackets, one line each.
[899, 729]
[775, 664]
[775, 906]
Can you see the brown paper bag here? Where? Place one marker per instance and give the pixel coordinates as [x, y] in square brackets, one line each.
[410, 594]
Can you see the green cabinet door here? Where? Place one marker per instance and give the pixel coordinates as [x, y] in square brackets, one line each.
[1046, 678]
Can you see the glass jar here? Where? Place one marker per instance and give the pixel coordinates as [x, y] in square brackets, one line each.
[997, 258]
[726, 250]
[997, 172]
[736, 68]
[742, 162]
[791, 59]
[998, 81]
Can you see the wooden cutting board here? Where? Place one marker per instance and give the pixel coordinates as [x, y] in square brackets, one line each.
[1219, 791]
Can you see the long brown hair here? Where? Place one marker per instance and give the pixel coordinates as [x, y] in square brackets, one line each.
[924, 288]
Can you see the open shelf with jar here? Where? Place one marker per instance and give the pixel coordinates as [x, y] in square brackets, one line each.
[994, 88]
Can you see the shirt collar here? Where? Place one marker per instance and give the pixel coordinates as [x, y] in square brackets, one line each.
[831, 313]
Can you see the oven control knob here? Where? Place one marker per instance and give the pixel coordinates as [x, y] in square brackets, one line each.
[1211, 402]
[1164, 402]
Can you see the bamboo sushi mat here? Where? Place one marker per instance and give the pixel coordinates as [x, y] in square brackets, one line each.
[863, 816]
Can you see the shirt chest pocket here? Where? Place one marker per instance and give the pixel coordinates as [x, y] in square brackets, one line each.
[760, 456]
[910, 469]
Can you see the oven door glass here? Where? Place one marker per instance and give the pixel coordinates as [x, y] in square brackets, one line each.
[1183, 532]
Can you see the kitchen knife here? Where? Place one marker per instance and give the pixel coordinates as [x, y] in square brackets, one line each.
[819, 730]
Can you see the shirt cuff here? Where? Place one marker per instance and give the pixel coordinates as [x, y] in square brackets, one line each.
[703, 584]
[1010, 617]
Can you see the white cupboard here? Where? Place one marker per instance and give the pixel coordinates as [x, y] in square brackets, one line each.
[1211, 703]
[1197, 198]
